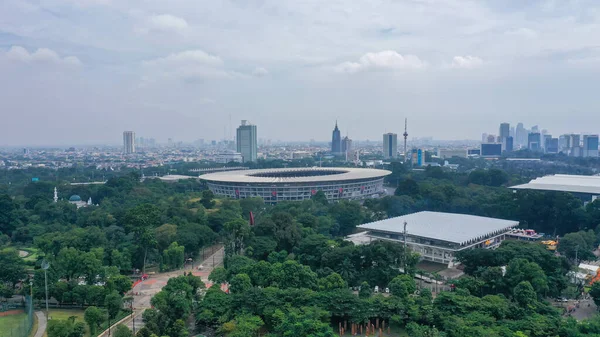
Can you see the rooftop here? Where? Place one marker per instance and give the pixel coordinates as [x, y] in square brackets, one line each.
[296, 175]
[564, 183]
[449, 227]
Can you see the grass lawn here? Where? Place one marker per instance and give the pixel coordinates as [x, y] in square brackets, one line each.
[10, 324]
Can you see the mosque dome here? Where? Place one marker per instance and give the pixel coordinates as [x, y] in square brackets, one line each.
[75, 197]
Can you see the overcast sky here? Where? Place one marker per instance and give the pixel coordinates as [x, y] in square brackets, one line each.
[82, 71]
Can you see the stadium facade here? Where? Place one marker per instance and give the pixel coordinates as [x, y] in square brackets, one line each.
[297, 184]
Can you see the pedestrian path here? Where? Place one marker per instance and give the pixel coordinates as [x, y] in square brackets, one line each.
[42, 323]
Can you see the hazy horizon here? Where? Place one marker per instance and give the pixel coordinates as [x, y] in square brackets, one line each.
[83, 71]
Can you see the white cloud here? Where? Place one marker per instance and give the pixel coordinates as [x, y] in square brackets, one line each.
[260, 72]
[523, 32]
[190, 64]
[166, 23]
[387, 59]
[466, 62]
[41, 55]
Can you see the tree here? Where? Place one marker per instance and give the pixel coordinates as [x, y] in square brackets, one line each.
[12, 266]
[93, 317]
[65, 328]
[207, 199]
[8, 216]
[141, 221]
[242, 326]
[114, 303]
[524, 294]
[365, 290]
[218, 275]
[165, 235]
[240, 284]
[122, 331]
[120, 283]
[595, 293]
[402, 286]
[173, 257]
[320, 198]
[332, 281]
[407, 187]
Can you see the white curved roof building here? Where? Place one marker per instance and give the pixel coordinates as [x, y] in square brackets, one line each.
[293, 184]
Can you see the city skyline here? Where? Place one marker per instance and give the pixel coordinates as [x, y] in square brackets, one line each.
[464, 65]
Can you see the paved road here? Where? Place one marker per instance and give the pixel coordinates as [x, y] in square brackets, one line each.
[155, 283]
[42, 322]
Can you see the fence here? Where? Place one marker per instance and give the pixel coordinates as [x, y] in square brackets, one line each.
[21, 327]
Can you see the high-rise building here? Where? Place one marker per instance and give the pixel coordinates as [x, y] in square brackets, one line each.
[246, 141]
[504, 131]
[491, 139]
[520, 135]
[346, 145]
[564, 143]
[390, 145]
[491, 150]
[512, 132]
[533, 141]
[129, 142]
[546, 138]
[336, 140]
[590, 145]
[551, 144]
[484, 137]
[575, 150]
[509, 144]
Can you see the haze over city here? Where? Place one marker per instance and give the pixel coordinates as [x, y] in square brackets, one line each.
[82, 71]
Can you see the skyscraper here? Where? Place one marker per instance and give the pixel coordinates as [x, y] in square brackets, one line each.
[508, 144]
[590, 145]
[336, 140]
[347, 147]
[533, 141]
[520, 135]
[246, 141]
[504, 132]
[129, 142]
[390, 145]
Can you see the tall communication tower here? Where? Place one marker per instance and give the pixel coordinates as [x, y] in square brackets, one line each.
[405, 134]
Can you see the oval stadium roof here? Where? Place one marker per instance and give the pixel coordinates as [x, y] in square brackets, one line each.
[295, 175]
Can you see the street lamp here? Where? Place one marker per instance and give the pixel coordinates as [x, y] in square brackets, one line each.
[45, 266]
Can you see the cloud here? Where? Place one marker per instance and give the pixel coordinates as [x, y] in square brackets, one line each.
[41, 55]
[165, 23]
[466, 62]
[523, 32]
[387, 59]
[260, 72]
[188, 65]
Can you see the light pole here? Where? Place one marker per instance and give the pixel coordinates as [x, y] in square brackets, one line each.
[45, 266]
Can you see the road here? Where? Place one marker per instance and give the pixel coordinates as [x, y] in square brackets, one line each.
[155, 283]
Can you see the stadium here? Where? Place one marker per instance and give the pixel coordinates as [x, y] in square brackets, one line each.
[296, 184]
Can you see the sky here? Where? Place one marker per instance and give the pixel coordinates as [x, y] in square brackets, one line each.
[83, 71]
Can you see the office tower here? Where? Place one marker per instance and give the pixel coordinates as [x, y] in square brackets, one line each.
[336, 140]
[504, 131]
[129, 142]
[418, 157]
[533, 141]
[545, 140]
[246, 141]
[509, 144]
[521, 135]
[484, 137]
[390, 145]
[564, 143]
[512, 132]
[535, 129]
[346, 145]
[491, 139]
[575, 150]
[590, 145]
[551, 144]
